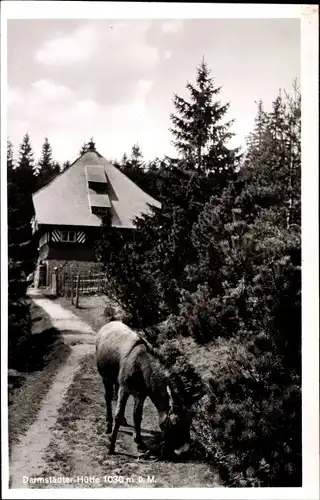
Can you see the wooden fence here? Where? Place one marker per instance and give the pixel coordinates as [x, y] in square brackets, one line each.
[73, 285]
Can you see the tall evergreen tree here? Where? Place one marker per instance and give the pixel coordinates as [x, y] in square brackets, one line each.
[124, 160]
[200, 136]
[10, 159]
[24, 186]
[162, 250]
[26, 166]
[255, 138]
[47, 168]
[136, 158]
[46, 161]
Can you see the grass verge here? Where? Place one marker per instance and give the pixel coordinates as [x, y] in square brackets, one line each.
[91, 309]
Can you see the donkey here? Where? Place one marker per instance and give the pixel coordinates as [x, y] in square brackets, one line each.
[125, 360]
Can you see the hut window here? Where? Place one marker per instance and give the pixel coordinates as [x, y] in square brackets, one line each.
[68, 236]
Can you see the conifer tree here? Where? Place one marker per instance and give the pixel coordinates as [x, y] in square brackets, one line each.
[122, 164]
[255, 138]
[56, 168]
[133, 167]
[10, 158]
[26, 166]
[184, 186]
[26, 176]
[200, 136]
[47, 168]
[24, 185]
[136, 158]
[65, 165]
[124, 159]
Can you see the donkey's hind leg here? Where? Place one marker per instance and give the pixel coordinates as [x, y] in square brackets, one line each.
[108, 388]
[115, 397]
[121, 406]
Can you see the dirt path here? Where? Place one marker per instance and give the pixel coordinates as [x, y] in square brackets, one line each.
[27, 457]
[67, 442]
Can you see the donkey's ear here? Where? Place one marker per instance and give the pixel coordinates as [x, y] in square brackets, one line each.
[174, 403]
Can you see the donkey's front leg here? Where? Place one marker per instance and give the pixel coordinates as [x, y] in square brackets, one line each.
[121, 406]
[137, 418]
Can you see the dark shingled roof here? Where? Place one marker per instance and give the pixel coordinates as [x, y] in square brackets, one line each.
[66, 199]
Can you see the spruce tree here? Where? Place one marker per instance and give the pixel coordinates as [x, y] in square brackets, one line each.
[136, 158]
[10, 158]
[47, 169]
[26, 166]
[255, 138]
[200, 136]
[25, 186]
[124, 160]
[162, 249]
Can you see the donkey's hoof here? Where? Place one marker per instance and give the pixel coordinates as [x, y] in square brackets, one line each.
[141, 446]
[111, 451]
[145, 455]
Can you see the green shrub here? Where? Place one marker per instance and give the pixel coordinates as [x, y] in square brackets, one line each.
[185, 381]
[250, 423]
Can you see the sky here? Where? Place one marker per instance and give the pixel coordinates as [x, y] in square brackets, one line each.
[114, 80]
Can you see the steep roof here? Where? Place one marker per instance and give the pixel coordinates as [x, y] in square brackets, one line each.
[66, 199]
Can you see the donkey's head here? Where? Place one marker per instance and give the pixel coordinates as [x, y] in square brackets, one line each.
[177, 424]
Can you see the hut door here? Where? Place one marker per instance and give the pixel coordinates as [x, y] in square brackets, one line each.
[43, 274]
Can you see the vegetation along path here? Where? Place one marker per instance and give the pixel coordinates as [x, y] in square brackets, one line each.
[67, 441]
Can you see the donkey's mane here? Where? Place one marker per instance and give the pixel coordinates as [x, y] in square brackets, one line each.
[176, 380]
[152, 350]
